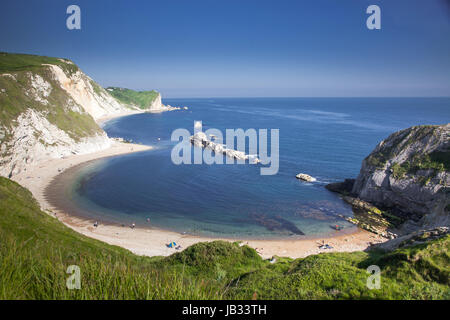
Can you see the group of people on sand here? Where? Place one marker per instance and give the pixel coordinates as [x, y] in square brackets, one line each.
[132, 226]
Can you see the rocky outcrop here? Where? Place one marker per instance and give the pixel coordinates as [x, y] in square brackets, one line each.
[200, 139]
[157, 106]
[370, 218]
[148, 101]
[345, 187]
[409, 172]
[305, 177]
[414, 238]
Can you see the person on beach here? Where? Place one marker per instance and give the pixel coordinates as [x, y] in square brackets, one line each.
[133, 225]
[96, 224]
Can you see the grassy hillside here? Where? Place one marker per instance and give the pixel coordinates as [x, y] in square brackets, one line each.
[36, 249]
[142, 99]
[12, 62]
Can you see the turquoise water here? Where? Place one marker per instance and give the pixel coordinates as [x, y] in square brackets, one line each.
[326, 138]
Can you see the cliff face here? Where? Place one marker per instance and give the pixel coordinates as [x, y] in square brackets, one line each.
[92, 97]
[156, 104]
[149, 101]
[48, 109]
[410, 171]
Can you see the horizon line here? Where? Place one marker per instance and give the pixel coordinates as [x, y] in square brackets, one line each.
[310, 97]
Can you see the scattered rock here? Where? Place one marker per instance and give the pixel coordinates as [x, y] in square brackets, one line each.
[305, 177]
[414, 238]
[341, 187]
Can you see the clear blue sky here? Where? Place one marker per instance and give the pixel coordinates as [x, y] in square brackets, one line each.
[234, 48]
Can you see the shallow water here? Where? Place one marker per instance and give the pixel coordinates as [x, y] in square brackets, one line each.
[326, 138]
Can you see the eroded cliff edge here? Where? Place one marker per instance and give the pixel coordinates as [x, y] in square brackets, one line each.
[49, 109]
[408, 175]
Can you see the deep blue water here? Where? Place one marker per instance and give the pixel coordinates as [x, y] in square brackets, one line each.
[324, 137]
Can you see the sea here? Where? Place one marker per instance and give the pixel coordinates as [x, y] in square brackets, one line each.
[326, 138]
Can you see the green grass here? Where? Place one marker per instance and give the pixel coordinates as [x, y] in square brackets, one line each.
[413, 273]
[399, 170]
[97, 88]
[437, 160]
[36, 249]
[142, 99]
[12, 62]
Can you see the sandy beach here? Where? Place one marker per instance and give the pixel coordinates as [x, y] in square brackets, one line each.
[152, 242]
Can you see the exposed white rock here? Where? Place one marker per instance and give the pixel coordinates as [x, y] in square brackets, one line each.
[32, 138]
[305, 177]
[157, 106]
[40, 89]
[200, 139]
[35, 139]
[79, 87]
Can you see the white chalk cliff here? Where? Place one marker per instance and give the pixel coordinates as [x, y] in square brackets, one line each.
[95, 101]
[49, 112]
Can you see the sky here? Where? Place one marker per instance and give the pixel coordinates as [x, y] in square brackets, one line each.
[243, 48]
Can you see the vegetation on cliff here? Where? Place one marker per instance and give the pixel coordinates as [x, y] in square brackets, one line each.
[23, 85]
[36, 250]
[13, 62]
[408, 174]
[142, 99]
[419, 159]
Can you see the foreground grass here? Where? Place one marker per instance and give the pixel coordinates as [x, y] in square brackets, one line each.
[36, 249]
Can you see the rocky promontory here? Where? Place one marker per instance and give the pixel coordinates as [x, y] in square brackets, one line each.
[407, 175]
[149, 101]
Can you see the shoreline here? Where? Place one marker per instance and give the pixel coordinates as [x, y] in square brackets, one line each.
[152, 241]
[56, 194]
[102, 120]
